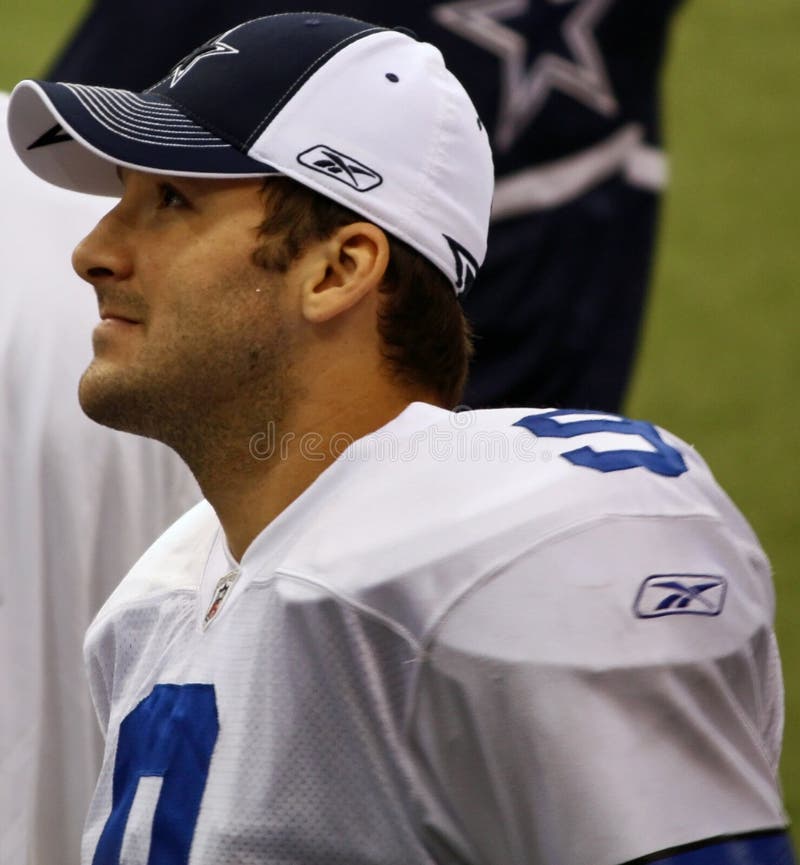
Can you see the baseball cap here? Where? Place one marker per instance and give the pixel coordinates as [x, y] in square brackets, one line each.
[367, 116]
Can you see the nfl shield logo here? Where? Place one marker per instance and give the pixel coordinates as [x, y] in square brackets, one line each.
[220, 593]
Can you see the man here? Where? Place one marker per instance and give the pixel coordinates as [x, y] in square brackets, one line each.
[79, 505]
[569, 92]
[393, 633]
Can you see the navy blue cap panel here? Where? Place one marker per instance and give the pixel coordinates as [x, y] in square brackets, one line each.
[295, 46]
[115, 123]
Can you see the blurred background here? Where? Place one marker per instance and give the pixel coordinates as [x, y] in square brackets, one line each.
[720, 358]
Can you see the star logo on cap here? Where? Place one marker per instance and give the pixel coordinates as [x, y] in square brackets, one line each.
[210, 49]
[525, 88]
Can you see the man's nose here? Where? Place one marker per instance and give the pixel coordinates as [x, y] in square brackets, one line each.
[104, 253]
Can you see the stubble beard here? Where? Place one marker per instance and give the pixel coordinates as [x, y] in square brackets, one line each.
[204, 400]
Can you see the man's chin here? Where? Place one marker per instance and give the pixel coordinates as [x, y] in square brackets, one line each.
[107, 399]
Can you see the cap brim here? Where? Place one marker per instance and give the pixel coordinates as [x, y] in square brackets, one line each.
[75, 136]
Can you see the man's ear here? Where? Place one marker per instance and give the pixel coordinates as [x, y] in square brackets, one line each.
[342, 270]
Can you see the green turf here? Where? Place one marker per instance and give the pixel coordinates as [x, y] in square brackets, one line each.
[32, 32]
[720, 356]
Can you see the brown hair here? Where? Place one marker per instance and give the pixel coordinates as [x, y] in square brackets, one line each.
[426, 339]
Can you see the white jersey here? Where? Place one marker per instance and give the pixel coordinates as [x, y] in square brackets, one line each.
[507, 637]
[78, 505]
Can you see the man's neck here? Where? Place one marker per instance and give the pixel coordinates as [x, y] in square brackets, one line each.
[251, 480]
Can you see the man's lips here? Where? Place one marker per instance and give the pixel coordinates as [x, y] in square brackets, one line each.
[111, 315]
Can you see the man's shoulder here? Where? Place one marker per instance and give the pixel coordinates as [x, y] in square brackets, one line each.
[475, 472]
[436, 502]
[511, 455]
[173, 563]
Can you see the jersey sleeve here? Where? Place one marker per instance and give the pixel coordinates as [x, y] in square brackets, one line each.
[609, 694]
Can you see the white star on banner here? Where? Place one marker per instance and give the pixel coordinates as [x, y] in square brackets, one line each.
[524, 89]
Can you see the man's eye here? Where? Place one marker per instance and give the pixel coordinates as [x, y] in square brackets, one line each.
[170, 197]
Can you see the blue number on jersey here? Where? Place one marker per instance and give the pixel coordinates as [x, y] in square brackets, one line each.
[170, 735]
[665, 460]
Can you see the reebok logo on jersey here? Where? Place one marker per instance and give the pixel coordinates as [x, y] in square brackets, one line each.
[680, 594]
[328, 161]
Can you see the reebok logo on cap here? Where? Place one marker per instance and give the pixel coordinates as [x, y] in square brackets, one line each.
[328, 161]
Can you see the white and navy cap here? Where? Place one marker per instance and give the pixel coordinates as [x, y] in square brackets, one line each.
[367, 116]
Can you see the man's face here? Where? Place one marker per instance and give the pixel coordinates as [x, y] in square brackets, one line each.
[192, 329]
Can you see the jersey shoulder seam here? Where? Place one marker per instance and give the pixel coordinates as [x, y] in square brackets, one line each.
[357, 606]
[147, 600]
